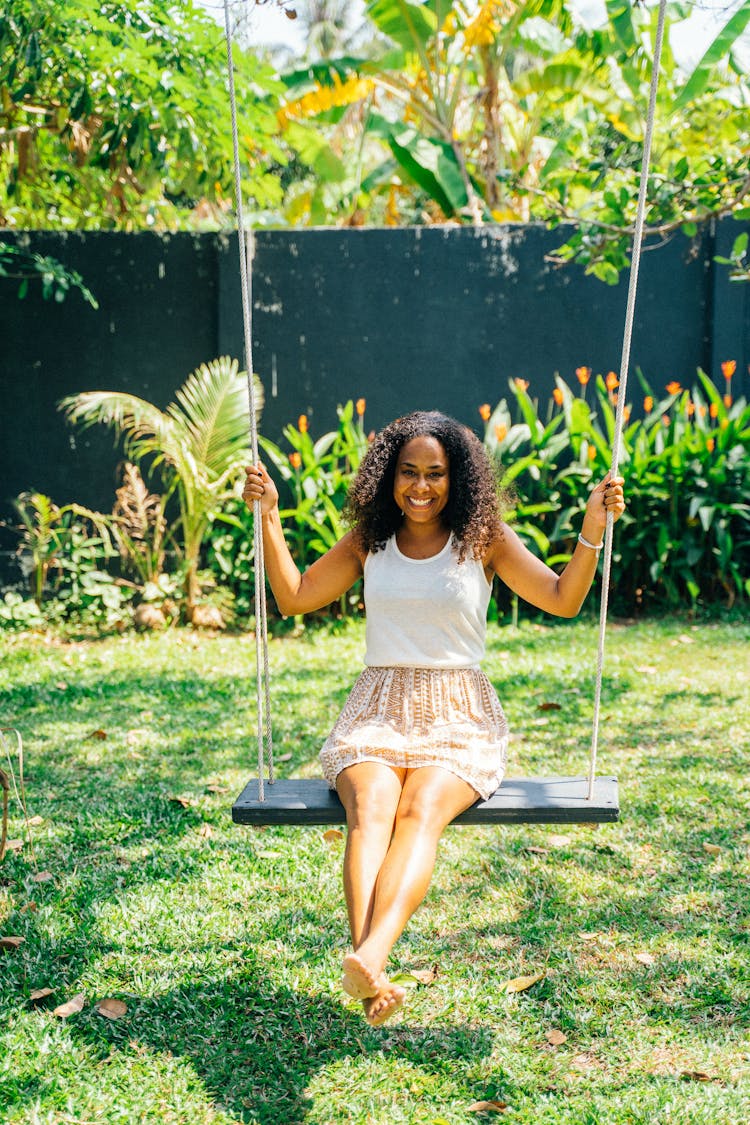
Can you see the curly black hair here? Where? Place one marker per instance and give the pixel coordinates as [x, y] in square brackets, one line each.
[473, 509]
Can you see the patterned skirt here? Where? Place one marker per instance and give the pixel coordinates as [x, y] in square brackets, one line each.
[411, 717]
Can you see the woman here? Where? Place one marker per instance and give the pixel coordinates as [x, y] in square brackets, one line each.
[423, 734]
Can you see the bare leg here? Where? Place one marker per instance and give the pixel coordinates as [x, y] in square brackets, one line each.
[430, 800]
[370, 792]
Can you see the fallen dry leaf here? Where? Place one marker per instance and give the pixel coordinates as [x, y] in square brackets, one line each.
[11, 942]
[559, 841]
[487, 1107]
[555, 1037]
[285, 758]
[646, 669]
[217, 789]
[97, 735]
[712, 849]
[206, 831]
[42, 877]
[645, 958]
[696, 1076]
[70, 1007]
[35, 821]
[588, 937]
[549, 706]
[32, 906]
[112, 1009]
[13, 845]
[331, 835]
[425, 976]
[184, 802]
[583, 1062]
[61, 685]
[520, 984]
[538, 851]
[40, 994]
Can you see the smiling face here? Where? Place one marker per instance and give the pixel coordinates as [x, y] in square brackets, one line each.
[422, 480]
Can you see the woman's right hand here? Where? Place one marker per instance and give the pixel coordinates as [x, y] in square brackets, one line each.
[259, 486]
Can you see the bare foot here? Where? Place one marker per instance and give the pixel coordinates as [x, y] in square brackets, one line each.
[380, 1008]
[359, 980]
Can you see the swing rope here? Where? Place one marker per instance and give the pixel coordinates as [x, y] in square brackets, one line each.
[635, 261]
[246, 243]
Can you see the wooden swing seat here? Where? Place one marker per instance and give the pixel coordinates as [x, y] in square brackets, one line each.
[519, 800]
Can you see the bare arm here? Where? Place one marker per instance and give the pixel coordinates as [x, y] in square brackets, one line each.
[327, 579]
[563, 594]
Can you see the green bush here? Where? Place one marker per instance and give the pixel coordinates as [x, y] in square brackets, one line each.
[685, 538]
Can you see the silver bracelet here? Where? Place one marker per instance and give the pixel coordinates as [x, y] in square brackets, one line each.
[592, 546]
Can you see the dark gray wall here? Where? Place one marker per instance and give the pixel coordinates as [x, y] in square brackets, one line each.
[410, 318]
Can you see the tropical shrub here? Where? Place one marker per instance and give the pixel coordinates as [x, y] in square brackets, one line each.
[64, 554]
[317, 475]
[200, 445]
[685, 537]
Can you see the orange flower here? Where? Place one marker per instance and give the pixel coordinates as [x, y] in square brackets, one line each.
[295, 460]
[702, 411]
[583, 374]
[522, 384]
[710, 444]
[626, 413]
[723, 423]
[713, 410]
[360, 406]
[371, 436]
[501, 431]
[485, 412]
[302, 423]
[665, 419]
[728, 368]
[727, 401]
[611, 381]
[592, 453]
[558, 396]
[673, 388]
[614, 397]
[648, 404]
[690, 408]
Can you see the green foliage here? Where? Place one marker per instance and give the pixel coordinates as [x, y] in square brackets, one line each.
[17, 612]
[200, 443]
[230, 555]
[317, 475]
[685, 538]
[57, 281]
[47, 534]
[479, 112]
[116, 115]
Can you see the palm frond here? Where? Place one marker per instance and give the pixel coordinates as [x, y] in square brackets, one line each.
[145, 428]
[212, 410]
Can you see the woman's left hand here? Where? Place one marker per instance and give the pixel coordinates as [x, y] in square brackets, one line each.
[608, 496]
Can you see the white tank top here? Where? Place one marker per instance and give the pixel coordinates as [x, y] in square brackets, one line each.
[425, 613]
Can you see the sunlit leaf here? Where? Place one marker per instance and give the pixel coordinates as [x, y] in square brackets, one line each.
[70, 1007]
[520, 984]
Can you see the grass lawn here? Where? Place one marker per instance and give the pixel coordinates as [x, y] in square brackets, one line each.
[224, 943]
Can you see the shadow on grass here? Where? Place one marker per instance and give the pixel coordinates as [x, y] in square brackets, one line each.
[256, 1049]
